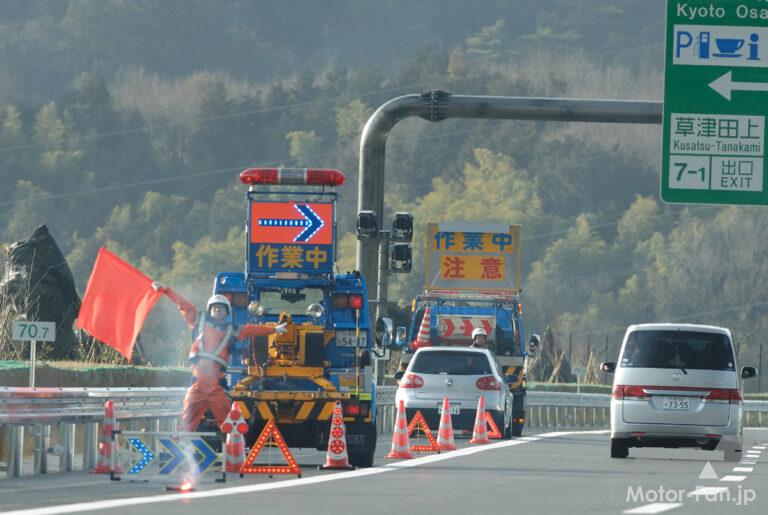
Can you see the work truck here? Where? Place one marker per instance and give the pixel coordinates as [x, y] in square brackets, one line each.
[473, 282]
[291, 277]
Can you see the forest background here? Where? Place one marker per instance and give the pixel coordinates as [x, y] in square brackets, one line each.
[124, 123]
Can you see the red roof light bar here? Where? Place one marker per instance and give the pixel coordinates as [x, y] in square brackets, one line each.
[293, 176]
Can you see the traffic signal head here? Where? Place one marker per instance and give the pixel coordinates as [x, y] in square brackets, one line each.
[402, 227]
[400, 261]
[367, 227]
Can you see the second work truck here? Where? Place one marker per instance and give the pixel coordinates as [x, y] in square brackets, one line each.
[473, 281]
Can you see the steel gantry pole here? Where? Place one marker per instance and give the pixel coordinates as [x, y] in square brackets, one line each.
[436, 106]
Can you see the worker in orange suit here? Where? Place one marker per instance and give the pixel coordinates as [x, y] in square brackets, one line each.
[213, 335]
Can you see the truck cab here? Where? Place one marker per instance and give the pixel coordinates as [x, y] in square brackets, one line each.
[290, 277]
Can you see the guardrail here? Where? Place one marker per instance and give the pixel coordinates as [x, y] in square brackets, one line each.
[67, 408]
[150, 408]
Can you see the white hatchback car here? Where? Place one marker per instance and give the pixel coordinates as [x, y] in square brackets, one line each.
[677, 385]
[463, 375]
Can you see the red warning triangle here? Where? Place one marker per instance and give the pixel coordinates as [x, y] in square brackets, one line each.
[493, 429]
[419, 424]
[270, 436]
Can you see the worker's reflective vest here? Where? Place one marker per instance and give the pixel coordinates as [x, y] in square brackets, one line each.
[210, 342]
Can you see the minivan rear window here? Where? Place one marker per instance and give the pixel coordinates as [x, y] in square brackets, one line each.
[678, 349]
[452, 363]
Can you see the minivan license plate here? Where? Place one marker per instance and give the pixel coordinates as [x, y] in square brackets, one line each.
[676, 403]
[455, 409]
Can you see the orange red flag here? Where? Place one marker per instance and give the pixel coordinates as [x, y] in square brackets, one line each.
[117, 300]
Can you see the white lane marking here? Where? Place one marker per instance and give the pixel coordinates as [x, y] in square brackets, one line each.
[760, 447]
[657, 507]
[237, 490]
[708, 491]
[742, 462]
[743, 469]
[733, 479]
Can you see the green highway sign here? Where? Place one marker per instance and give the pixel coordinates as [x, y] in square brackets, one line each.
[715, 102]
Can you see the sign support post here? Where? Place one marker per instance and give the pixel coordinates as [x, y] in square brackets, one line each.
[32, 356]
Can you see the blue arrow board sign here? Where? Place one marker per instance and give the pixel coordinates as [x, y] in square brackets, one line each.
[205, 456]
[145, 456]
[170, 462]
[177, 452]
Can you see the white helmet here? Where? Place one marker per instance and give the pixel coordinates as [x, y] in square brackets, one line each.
[477, 331]
[218, 299]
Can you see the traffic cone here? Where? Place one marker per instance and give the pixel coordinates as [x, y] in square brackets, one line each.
[480, 433]
[445, 430]
[423, 339]
[336, 458]
[234, 427]
[106, 444]
[401, 447]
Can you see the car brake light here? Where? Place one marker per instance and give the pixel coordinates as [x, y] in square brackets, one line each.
[488, 383]
[733, 396]
[292, 176]
[356, 301]
[621, 391]
[411, 381]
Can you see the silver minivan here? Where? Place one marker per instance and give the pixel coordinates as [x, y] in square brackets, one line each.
[677, 385]
[462, 374]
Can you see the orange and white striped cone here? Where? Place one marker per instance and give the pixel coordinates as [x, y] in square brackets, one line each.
[401, 446]
[337, 458]
[234, 427]
[445, 430]
[423, 337]
[480, 433]
[106, 444]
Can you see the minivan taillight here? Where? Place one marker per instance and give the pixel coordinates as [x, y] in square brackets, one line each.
[411, 381]
[731, 395]
[621, 391]
[488, 383]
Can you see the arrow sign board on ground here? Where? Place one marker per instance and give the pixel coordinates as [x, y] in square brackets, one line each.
[715, 102]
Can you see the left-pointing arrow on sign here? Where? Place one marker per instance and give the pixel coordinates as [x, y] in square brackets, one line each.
[725, 85]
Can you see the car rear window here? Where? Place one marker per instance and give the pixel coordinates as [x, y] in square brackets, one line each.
[453, 363]
[678, 349]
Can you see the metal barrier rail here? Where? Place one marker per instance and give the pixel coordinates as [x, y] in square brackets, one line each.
[66, 408]
[26, 406]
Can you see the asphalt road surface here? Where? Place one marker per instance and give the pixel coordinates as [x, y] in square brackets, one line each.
[557, 473]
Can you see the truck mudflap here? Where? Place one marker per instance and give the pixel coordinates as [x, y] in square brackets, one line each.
[518, 411]
[361, 442]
